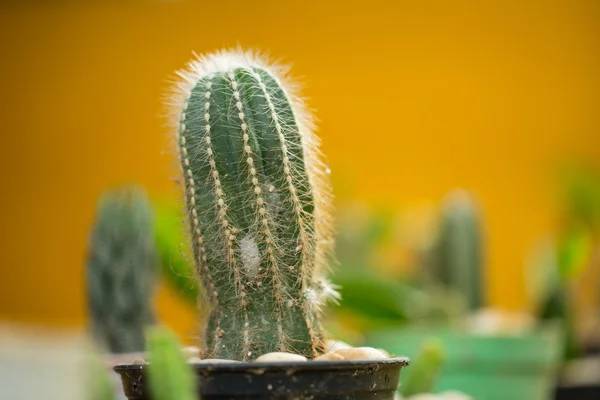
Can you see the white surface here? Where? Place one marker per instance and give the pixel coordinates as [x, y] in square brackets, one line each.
[36, 363]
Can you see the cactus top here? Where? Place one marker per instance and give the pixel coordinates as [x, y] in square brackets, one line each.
[258, 198]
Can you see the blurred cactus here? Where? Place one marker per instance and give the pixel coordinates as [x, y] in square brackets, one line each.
[121, 270]
[170, 376]
[557, 307]
[424, 369]
[555, 268]
[99, 385]
[257, 196]
[579, 248]
[177, 267]
[574, 251]
[362, 234]
[580, 192]
[378, 291]
[456, 257]
[561, 270]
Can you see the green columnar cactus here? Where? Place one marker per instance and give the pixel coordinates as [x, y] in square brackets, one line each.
[423, 372]
[257, 194]
[121, 270]
[457, 256]
[170, 376]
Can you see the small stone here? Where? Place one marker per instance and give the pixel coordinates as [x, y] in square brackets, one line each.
[139, 361]
[361, 353]
[331, 346]
[280, 357]
[455, 395]
[584, 371]
[495, 321]
[198, 360]
[190, 351]
[450, 395]
[123, 358]
[387, 355]
[330, 356]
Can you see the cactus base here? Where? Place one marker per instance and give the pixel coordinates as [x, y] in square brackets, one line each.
[332, 380]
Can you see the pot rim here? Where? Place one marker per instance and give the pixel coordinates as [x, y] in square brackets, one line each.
[277, 366]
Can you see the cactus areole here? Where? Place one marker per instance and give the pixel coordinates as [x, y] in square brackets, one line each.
[257, 196]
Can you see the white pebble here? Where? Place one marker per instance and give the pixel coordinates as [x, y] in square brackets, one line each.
[387, 355]
[123, 358]
[450, 395]
[197, 360]
[190, 351]
[331, 346]
[493, 321]
[330, 356]
[361, 353]
[280, 357]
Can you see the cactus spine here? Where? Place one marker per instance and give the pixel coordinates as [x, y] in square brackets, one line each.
[457, 256]
[121, 270]
[257, 195]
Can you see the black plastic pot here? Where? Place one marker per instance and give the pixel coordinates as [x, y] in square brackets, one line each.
[315, 380]
[583, 392]
[591, 349]
[580, 379]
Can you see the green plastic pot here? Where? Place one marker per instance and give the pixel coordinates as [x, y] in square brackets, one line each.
[486, 367]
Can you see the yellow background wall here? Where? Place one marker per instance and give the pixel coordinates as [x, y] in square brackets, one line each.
[415, 98]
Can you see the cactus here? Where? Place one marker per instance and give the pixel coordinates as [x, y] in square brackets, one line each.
[98, 385]
[563, 263]
[121, 269]
[177, 266]
[257, 198]
[423, 372]
[457, 254]
[170, 376]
